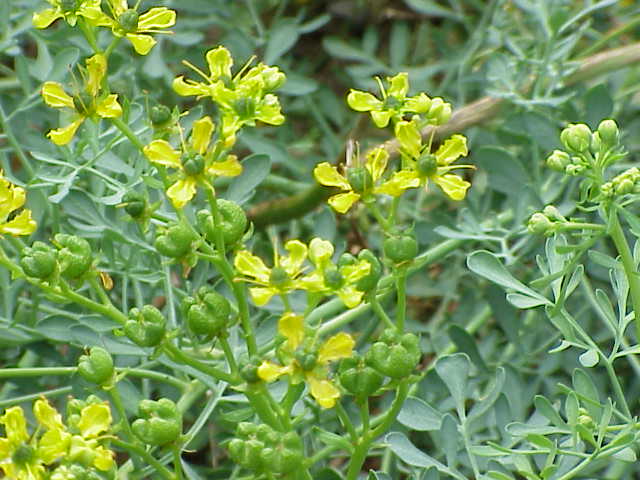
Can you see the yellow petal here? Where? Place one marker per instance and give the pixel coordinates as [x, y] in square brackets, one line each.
[297, 255]
[12, 198]
[230, 167]
[46, 415]
[350, 296]
[109, 107]
[377, 162]
[269, 372]
[320, 251]
[327, 174]
[398, 85]
[104, 458]
[53, 445]
[94, 420]
[54, 95]
[252, 266]
[381, 119]
[46, 17]
[22, 224]
[454, 186]
[325, 392]
[452, 149]
[409, 137]
[63, 135]
[269, 111]
[363, 101]
[314, 282]
[342, 202]
[201, 134]
[354, 272]
[185, 87]
[15, 425]
[97, 68]
[398, 183]
[262, 295]
[336, 347]
[291, 326]
[160, 152]
[182, 191]
[156, 18]
[220, 62]
[142, 43]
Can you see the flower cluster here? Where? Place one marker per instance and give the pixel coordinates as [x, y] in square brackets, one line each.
[12, 198]
[56, 450]
[122, 20]
[287, 273]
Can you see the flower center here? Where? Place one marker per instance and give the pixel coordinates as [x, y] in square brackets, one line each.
[279, 277]
[360, 179]
[245, 108]
[69, 6]
[83, 103]
[391, 103]
[193, 164]
[23, 454]
[333, 279]
[306, 360]
[427, 165]
[128, 20]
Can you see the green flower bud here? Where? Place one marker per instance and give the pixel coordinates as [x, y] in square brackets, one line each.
[596, 142]
[193, 163]
[273, 78]
[576, 137]
[135, 203]
[208, 314]
[74, 256]
[540, 224]
[159, 115]
[585, 419]
[249, 370]
[360, 179]
[427, 165]
[609, 133]
[128, 20]
[575, 170]
[97, 366]
[39, 260]
[558, 160]
[400, 249]
[395, 356]
[233, 222]
[160, 422]
[176, 241]
[83, 103]
[358, 378]
[553, 214]
[439, 111]
[145, 327]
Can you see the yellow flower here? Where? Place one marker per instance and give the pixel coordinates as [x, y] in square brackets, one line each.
[305, 361]
[192, 161]
[86, 104]
[70, 10]
[360, 182]
[127, 22]
[280, 279]
[331, 279]
[422, 166]
[11, 199]
[18, 455]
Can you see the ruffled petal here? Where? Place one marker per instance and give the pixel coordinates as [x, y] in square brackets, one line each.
[22, 224]
[363, 101]
[336, 347]
[220, 62]
[291, 326]
[104, 458]
[252, 266]
[46, 17]
[53, 445]
[297, 255]
[328, 175]
[409, 137]
[454, 186]
[269, 111]
[94, 420]
[182, 191]
[269, 371]
[142, 43]
[314, 282]
[161, 153]
[54, 95]
[381, 118]
[63, 135]
[325, 392]
[350, 296]
[452, 149]
[109, 107]
[186, 87]
[377, 162]
[262, 295]
[96, 68]
[398, 183]
[230, 167]
[46, 415]
[354, 272]
[320, 251]
[15, 425]
[398, 85]
[156, 18]
[342, 202]
[201, 134]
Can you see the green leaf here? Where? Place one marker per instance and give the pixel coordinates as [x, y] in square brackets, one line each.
[432, 9]
[506, 173]
[327, 474]
[376, 476]
[43, 64]
[449, 437]
[495, 475]
[584, 386]
[540, 441]
[466, 344]
[417, 414]
[626, 455]
[589, 358]
[399, 44]
[543, 406]
[255, 169]
[282, 37]
[599, 105]
[486, 402]
[408, 453]
[453, 370]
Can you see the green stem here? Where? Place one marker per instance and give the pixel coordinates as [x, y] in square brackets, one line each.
[628, 264]
[87, 31]
[117, 402]
[106, 310]
[177, 462]
[228, 353]
[127, 132]
[258, 396]
[174, 352]
[401, 308]
[346, 422]
[146, 456]
[34, 396]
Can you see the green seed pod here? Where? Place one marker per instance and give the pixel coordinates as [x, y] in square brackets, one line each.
[360, 179]
[207, 314]
[74, 256]
[369, 281]
[395, 356]
[400, 249]
[233, 222]
[576, 137]
[249, 370]
[23, 454]
[159, 115]
[427, 165]
[609, 133]
[307, 360]
[176, 241]
[160, 422]
[128, 20]
[39, 260]
[97, 366]
[193, 164]
[540, 224]
[145, 327]
[135, 203]
[333, 279]
[358, 378]
[558, 160]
